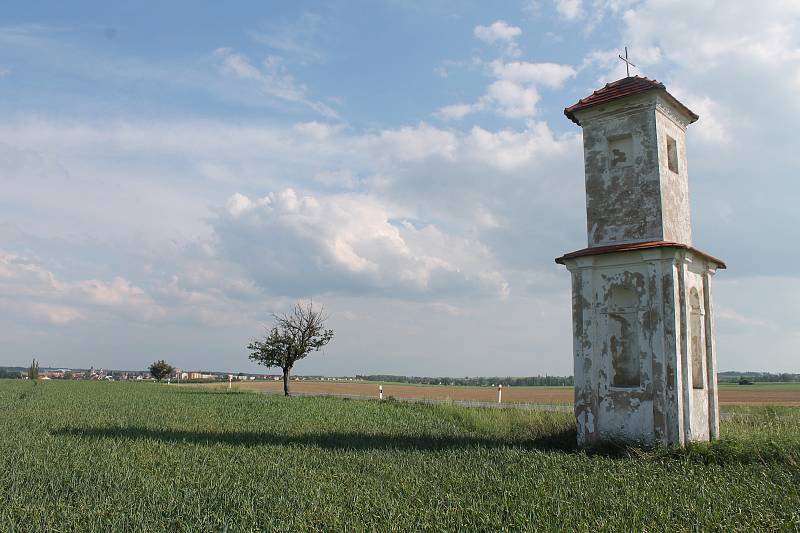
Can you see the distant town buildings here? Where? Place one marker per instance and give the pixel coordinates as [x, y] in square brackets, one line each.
[178, 375]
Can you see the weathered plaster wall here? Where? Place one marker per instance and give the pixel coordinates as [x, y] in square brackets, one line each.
[711, 353]
[700, 375]
[675, 211]
[653, 323]
[622, 193]
[631, 193]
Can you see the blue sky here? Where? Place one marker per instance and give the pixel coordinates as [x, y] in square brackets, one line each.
[172, 174]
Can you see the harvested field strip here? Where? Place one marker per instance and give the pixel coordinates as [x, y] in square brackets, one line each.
[544, 395]
[786, 394]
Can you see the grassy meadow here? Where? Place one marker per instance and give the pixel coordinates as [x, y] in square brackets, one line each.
[88, 456]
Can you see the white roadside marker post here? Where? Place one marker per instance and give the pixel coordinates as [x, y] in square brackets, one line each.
[500, 393]
[380, 392]
[230, 381]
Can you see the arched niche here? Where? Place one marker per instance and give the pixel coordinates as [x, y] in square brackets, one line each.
[697, 340]
[623, 341]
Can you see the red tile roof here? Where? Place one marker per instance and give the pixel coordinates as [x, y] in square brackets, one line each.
[631, 246]
[621, 89]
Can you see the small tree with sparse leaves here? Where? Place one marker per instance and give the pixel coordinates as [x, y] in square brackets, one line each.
[292, 337]
[160, 369]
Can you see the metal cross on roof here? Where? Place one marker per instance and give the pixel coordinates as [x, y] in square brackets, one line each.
[628, 64]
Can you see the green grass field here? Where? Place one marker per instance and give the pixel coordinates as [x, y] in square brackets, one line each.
[87, 456]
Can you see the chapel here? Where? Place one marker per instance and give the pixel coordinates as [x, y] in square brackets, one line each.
[642, 311]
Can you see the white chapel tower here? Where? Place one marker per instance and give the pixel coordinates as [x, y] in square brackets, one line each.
[642, 315]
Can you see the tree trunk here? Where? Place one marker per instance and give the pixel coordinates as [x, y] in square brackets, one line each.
[286, 381]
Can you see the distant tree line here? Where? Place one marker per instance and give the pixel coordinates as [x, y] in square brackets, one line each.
[531, 381]
[757, 377]
[10, 373]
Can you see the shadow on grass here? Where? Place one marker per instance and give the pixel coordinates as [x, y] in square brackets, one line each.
[562, 441]
[330, 440]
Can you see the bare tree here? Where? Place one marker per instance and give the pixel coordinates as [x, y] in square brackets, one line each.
[292, 337]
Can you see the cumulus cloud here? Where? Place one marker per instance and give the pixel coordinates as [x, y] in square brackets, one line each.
[514, 92]
[410, 143]
[54, 313]
[457, 111]
[499, 30]
[766, 35]
[719, 68]
[500, 33]
[715, 125]
[548, 74]
[429, 211]
[569, 9]
[61, 301]
[301, 244]
[512, 100]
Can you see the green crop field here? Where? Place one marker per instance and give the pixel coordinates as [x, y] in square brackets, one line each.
[88, 456]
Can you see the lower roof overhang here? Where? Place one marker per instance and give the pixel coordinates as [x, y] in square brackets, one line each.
[633, 246]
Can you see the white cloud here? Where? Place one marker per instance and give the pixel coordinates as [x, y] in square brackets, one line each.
[337, 178]
[350, 243]
[569, 9]
[595, 12]
[457, 111]
[511, 99]
[715, 125]
[718, 69]
[514, 93]
[64, 301]
[499, 30]
[547, 74]
[737, 41]
[767, 35]
[117, 292]
[411, 143]
[731, 315]
[513, 150]
[54, 313]
[24, 34]
[239, 66]
[273, 79]
[448, 309]
[292, 37]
